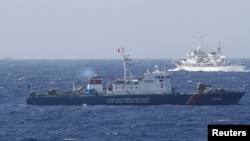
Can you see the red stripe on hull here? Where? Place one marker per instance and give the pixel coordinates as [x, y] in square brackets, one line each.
[193, 99]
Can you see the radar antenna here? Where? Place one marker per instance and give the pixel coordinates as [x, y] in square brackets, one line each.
[201, 37]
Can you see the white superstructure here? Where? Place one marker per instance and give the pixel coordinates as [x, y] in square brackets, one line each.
[199, 60]
[155, 82]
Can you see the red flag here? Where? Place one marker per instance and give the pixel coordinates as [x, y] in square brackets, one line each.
[118, 50]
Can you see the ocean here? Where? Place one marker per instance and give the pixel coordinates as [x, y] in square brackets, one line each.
[22, 122]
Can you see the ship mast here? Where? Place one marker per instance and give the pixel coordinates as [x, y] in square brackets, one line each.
[74, 84]
[200, 36]
[126, 65]
[219, 49]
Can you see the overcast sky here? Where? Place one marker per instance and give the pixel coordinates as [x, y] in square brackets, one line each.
[94, 29]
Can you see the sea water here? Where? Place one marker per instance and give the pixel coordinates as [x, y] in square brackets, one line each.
[22, 122]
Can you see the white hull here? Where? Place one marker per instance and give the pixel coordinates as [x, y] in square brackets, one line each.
[217, 68]
[199, 60]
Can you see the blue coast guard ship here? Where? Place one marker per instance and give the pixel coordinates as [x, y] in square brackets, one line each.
[154, 88]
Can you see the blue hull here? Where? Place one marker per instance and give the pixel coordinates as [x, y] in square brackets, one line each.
[176, 99]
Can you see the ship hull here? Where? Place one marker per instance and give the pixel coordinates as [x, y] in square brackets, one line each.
[219, 68]
[149, 99]
[209, 67]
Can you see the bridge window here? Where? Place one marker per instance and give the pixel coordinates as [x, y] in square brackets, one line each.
[159, 77]
[148, 81]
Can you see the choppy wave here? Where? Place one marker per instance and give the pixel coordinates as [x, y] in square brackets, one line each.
[23, 122]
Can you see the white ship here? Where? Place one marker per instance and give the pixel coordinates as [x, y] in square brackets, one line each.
[199, 60]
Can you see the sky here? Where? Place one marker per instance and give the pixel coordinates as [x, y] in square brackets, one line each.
[95, 29]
